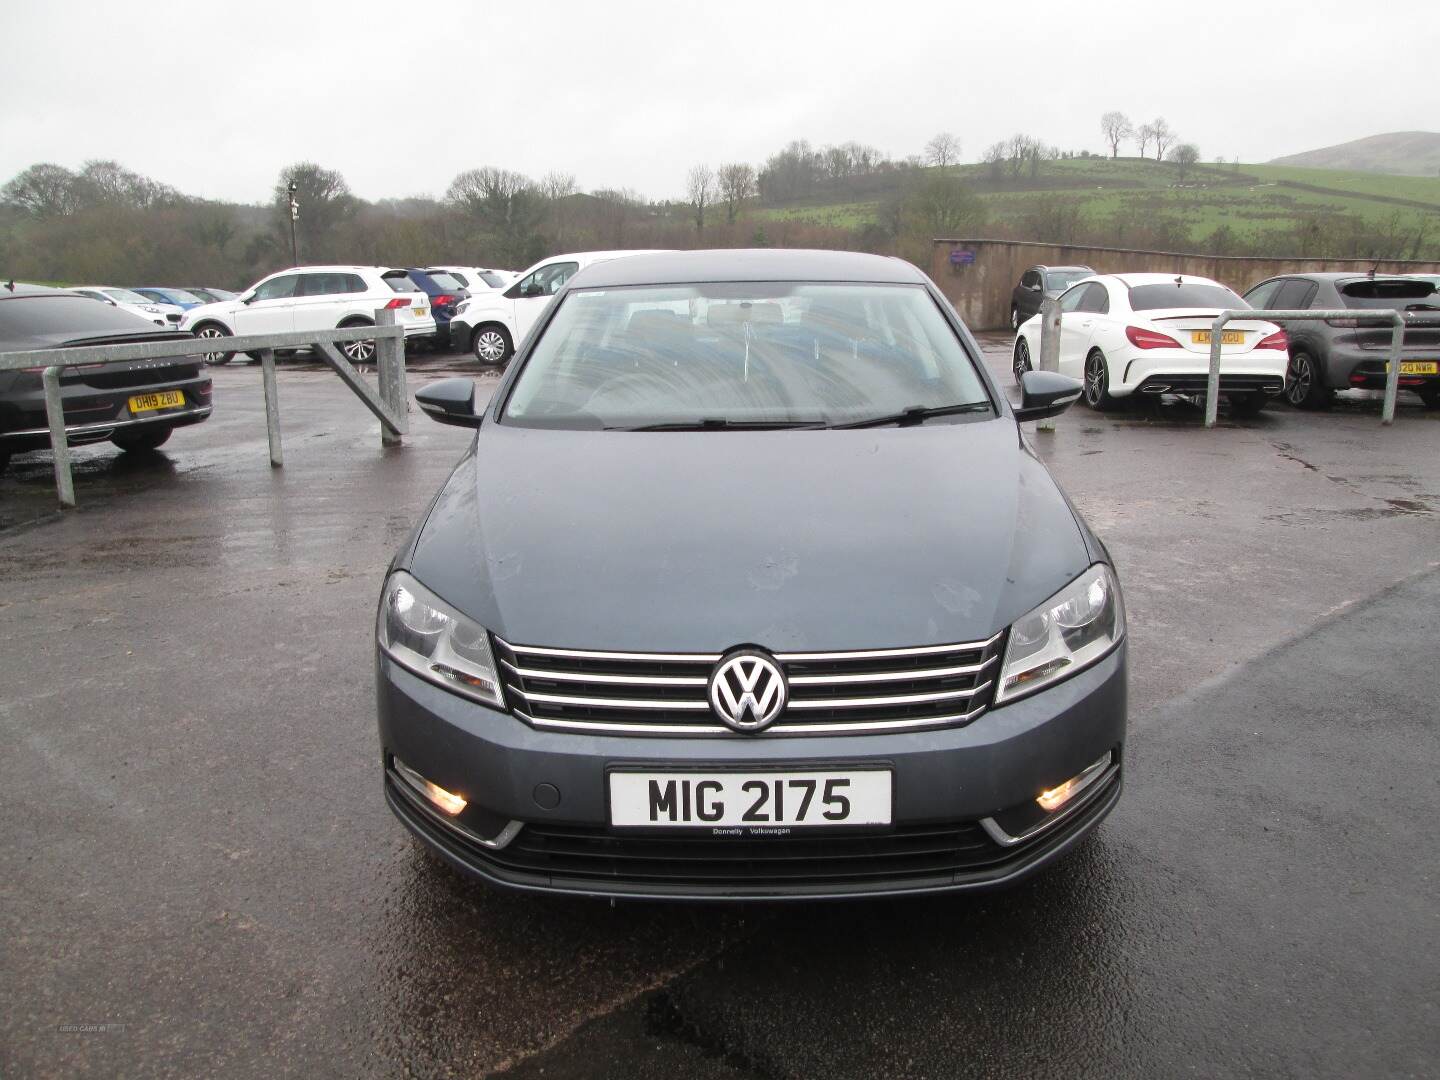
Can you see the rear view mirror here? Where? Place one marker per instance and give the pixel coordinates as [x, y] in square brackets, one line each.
[1045, 394]
[449, 401]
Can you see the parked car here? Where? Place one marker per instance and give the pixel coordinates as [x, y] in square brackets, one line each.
[167, 315]
[769, 642]
[316, 298]
[476, 279]
[445, 293]
[1339, 354]
[1040, 282]
[491, 324]
[1130, 334]
[176, 297]
[210, 295]
[135, 404]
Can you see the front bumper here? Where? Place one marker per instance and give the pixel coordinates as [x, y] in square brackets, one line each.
[947, 782]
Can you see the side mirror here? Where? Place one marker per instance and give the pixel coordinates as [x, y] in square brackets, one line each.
[533, 289]
[450, 401]
[248, 298]
[1046, 393]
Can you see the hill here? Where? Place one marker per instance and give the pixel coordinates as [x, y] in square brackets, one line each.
[1400, 153]
[1225, 209]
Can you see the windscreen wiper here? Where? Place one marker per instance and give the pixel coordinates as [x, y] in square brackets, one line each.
[722, 424]
[918, 414]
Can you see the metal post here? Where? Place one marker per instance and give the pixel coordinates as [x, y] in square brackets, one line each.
[1392, 368]
[59, 444]
[1212, 385]
[1049, 347]
[272, 406]
[294, 214]
[390, 366]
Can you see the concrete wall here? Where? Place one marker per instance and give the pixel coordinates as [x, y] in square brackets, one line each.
[981, 289]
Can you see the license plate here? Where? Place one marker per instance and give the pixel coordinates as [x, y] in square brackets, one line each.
[1227, 337]
[1417, 367]
[741, 803]
[419, 310]
[166, 399]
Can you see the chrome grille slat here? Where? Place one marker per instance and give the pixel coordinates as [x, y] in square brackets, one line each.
[598, 691]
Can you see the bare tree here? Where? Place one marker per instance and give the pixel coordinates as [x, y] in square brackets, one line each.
[1144, 135]
[1185, 156]
[557, 187]
[42, 191]
[943, 150]
[700, 189]
[995, 158]
[737, 183]
[1162, 135]
[1117, 128]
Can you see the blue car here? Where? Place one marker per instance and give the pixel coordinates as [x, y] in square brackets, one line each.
[445, 291]
[179, 297]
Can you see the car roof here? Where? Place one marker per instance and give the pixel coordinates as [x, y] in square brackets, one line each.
[1131, 281]
[1076, 266]
[10, 290]
[747, 264]
[1343, 275]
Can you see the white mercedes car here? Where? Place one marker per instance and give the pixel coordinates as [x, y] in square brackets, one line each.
[1127, 334]
[493, 323]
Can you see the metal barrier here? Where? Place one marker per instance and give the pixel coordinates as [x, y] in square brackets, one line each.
[1395, 318]
[389, 405]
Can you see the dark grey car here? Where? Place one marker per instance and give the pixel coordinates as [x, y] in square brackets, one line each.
[1040, 282]
[1342, 354]
[135, 404]
[750, 586]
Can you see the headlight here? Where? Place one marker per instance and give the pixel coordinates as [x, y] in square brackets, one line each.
[1070, 631]
[423, 633]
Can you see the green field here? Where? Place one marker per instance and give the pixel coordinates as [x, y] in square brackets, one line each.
[1252, 201]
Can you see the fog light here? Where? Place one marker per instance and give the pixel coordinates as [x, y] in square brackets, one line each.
[1052, 799]
[447, 801]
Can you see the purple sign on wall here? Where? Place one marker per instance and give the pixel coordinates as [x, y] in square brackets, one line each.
[961, 257]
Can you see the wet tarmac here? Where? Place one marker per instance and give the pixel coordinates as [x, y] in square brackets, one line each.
[201, 877]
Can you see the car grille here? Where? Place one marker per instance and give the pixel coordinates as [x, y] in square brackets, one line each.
[830, 692]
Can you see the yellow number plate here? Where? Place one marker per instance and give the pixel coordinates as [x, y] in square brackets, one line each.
[1227, 337]
[1418, 367]
[419, 310]
[166, 399]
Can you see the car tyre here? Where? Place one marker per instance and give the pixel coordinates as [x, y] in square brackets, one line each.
[492, 345]
[1097, 382]
[4, 460]
[1022, 362]
[1430, 395]
[1305, 385]
[211, 331]
[358, 352]
[150, 437]
[1244, 405]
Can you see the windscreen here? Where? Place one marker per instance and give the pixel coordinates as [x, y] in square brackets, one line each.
[1400, 293]
[1189, 294]
[1060, 280]
[742, 354]
[125, 296]
[495, 281]
[183, 297]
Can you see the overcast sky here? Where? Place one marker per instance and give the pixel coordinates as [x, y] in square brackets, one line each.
[216, 98]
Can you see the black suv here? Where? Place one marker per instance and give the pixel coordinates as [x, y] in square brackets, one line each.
[1339, 354]
[1039, 282]
[135, 404]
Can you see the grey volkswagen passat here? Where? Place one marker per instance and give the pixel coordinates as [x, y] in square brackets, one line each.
[750, 586]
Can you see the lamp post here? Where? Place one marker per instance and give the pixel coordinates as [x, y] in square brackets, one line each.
[294, 216]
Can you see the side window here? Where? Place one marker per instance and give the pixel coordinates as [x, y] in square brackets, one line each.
[1294, 295]
[278, 288]
[548, 278]
[1262, 294]
[1071, 300]
[1094, 298]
